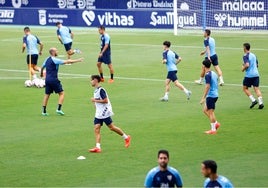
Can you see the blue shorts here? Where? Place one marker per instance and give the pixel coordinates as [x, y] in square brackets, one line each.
[214, 60]
[251, 82]
[68, 46]
[172, 75]
[108, 121]
[34, 59]
[105, 58]
[52, 86]
[210, 102]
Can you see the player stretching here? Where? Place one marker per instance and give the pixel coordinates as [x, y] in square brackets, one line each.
[250, 66]
[171, 59]
[210, 96]
[65, 36]
[211, 55]
[105, 54]
[30, 42]
[103, 114]
[51, 64]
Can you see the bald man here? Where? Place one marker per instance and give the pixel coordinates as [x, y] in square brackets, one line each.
[51, 64]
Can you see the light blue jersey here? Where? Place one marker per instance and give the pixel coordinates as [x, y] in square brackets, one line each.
[31, 42]
[171, 58]
[252, 70]
[211, 78]
[209, 41]
[65, 34]
[221, 181]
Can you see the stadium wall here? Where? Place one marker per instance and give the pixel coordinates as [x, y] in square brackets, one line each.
[242, 14]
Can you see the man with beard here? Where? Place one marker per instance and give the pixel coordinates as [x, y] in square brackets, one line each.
[163, 175]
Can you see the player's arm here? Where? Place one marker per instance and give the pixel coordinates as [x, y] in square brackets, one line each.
[103, 99]
[72, 35]
[178, 58]
[23, 47]
[245, 65]
[164, 59]
[104, 49]
[41, 48]
[207, 87]
[71, 61]
[59, 38]
[42, 69]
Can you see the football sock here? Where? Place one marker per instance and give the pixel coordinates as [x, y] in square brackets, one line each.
[59, 106]
[221, 79]
[260, 100]
[44, 109]
[124, 136]
[201, 79]
[213, 128]
[185, 91]
[112, 76]
[98, 145]
[101, 75]
[166, 95]
[251, 98]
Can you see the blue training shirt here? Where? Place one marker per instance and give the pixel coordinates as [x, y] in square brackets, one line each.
[211, 78]
[252, 70]
[221, 181]
[209, 41]
[31, 42]
[52, 65]
[65, 34]
[105, 39]
[171, 58]
[168, 178]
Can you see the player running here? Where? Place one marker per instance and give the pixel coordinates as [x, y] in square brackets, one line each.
[250, 67]
[31, 42]
[171, 59]
[105, 54]
[65, 36]
[103, 114]
[211, 55]
[210, 96]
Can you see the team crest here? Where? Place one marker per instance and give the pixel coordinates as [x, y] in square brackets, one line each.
[169, 177]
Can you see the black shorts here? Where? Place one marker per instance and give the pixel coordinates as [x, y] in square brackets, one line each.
[214, 60]
[34, 59]
[68, 46]
[211, 102]
[105, 58]
[108, 121]
[251, 81]
[53, 86]
[172, 75]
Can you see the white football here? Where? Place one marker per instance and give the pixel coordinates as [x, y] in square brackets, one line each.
[28, 83]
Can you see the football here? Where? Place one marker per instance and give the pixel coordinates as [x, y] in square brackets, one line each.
[28, 83]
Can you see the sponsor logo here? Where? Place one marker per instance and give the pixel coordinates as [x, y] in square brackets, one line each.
[108, 18]
[6, 16]
[42, 17]
[54, 18]
[240, 5]
[18, 3]
[135, 4]
[80, 4]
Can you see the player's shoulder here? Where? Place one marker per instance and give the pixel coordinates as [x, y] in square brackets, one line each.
[172, 169]
[154, 170]
[223, 179]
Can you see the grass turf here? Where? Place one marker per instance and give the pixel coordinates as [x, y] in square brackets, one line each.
[42, 151]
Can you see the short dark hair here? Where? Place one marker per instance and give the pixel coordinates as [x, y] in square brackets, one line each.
[163, 151]
[96, 77]
[26, 28]
[246, 46]
[102, 27]
[210, 164]
[207, 32]
[58, 23]
[206, 63]
[167, 43]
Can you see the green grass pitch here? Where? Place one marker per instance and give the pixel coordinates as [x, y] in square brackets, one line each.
[38, 151]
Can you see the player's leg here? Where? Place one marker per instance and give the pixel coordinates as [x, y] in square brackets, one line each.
[258, 92]
[215, 63]
[110, 66]
[209, 111]
[108, 121]
[202, 74]
[97, 126]
[100, 69]
[174, 78]
[167, 89]
[45, 101]
[57, 87]
[247, 82]
[34, 58]
[30, 66]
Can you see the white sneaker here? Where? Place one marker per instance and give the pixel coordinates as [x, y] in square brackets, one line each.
[77, 51]
[165, 99]
[198, 82]
[221, 83]
[189, 93]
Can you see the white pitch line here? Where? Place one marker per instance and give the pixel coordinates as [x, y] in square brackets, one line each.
[117, 77]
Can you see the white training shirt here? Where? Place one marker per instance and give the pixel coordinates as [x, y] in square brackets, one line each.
[103, 110]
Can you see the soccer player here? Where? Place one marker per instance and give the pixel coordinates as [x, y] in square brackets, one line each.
[31, 42]
[103, 114]
[65, 36]
[51, 64]
[209, 170]
[163, 175]
[210, 96]
[211, 55]
[105, 54]
[171, 59]
[250, 66]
